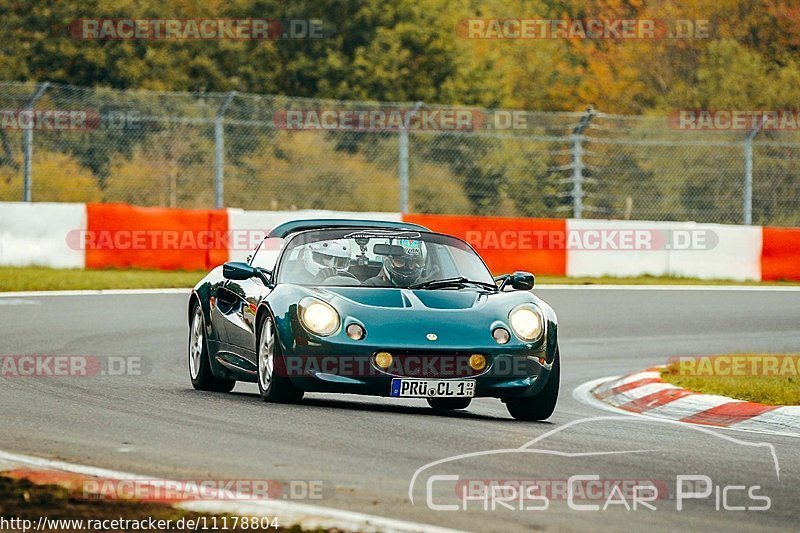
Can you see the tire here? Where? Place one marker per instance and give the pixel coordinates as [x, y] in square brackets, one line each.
[273, 387]
[449, 404]
[199, 365]
[542, 405]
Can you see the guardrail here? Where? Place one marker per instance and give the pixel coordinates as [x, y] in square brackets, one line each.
[95, 236]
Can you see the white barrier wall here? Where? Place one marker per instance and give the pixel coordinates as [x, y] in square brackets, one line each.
[603, 261]
[683, 249]
[39, 234]
[736, 256]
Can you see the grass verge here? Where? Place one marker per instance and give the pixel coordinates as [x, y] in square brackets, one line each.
[652, 280]
[770, 379]
[51, 279]
[22, 500]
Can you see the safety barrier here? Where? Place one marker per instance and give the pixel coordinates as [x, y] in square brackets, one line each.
[124, 236]
[780, 255]
[39, 234]
[677, 249]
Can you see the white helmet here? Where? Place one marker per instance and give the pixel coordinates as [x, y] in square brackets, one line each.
[326, 254]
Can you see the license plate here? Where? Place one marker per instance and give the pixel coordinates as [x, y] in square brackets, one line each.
[433, 388]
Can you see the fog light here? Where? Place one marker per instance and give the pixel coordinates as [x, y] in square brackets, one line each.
[477, 361]
[355, 332]
[383, 360]
[501, 335]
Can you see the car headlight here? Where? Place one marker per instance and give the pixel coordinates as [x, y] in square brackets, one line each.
[527, 322]
[318, 317]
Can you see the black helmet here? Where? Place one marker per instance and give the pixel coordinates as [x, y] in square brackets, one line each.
[403, 270]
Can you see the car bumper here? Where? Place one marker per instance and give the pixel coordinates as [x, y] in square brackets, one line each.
[508, 374]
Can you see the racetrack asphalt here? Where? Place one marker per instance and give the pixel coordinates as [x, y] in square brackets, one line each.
[366, 449]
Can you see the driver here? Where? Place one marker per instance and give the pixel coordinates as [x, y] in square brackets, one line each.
[324, 259]
[401, 270]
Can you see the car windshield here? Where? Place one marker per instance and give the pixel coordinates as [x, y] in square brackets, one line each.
[380, 258]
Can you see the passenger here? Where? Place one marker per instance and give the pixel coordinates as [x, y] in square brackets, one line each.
[325, 259]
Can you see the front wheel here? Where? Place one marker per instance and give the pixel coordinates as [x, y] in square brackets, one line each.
[199, 365]
[273, 386]
[449, 404]
[542, 405]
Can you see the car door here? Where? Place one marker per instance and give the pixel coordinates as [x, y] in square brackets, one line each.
[241, 321]
[240, 326]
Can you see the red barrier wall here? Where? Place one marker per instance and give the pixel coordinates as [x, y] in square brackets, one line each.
[506, 244]
[124, 236]
[780, 254]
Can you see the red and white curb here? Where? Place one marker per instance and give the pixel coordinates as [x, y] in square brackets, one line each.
[289, 514]
[644, 393]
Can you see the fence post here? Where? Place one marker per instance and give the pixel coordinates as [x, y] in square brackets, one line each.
[747, 200]
[403, 154]
[219, 152]
[27, 142]
[577, 162]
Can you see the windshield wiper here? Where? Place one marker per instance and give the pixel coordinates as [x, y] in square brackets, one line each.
[436, 283]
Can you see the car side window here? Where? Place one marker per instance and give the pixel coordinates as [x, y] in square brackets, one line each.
[266, 255]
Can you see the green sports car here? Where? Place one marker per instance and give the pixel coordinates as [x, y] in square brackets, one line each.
[374, 307]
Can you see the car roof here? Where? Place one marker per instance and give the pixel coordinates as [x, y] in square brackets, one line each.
[293, 226]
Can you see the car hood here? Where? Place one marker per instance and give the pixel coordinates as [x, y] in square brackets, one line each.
[390, 298]
[461, 319]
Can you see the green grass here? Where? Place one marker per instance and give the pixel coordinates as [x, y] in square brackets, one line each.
[652, 280]
[50, 279]
[753, 387]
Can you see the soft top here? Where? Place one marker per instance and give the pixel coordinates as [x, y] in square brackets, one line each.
[293, 226]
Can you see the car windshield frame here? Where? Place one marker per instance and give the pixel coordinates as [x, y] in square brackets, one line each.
[289, 244]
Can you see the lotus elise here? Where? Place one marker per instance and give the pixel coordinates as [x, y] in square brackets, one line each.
[378, 308]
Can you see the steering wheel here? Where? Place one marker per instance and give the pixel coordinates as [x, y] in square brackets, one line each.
[343, 278]
[432, 272]
[328, 273]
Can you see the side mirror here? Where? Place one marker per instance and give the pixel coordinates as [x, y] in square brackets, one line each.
[522, 281]
[238, 270]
